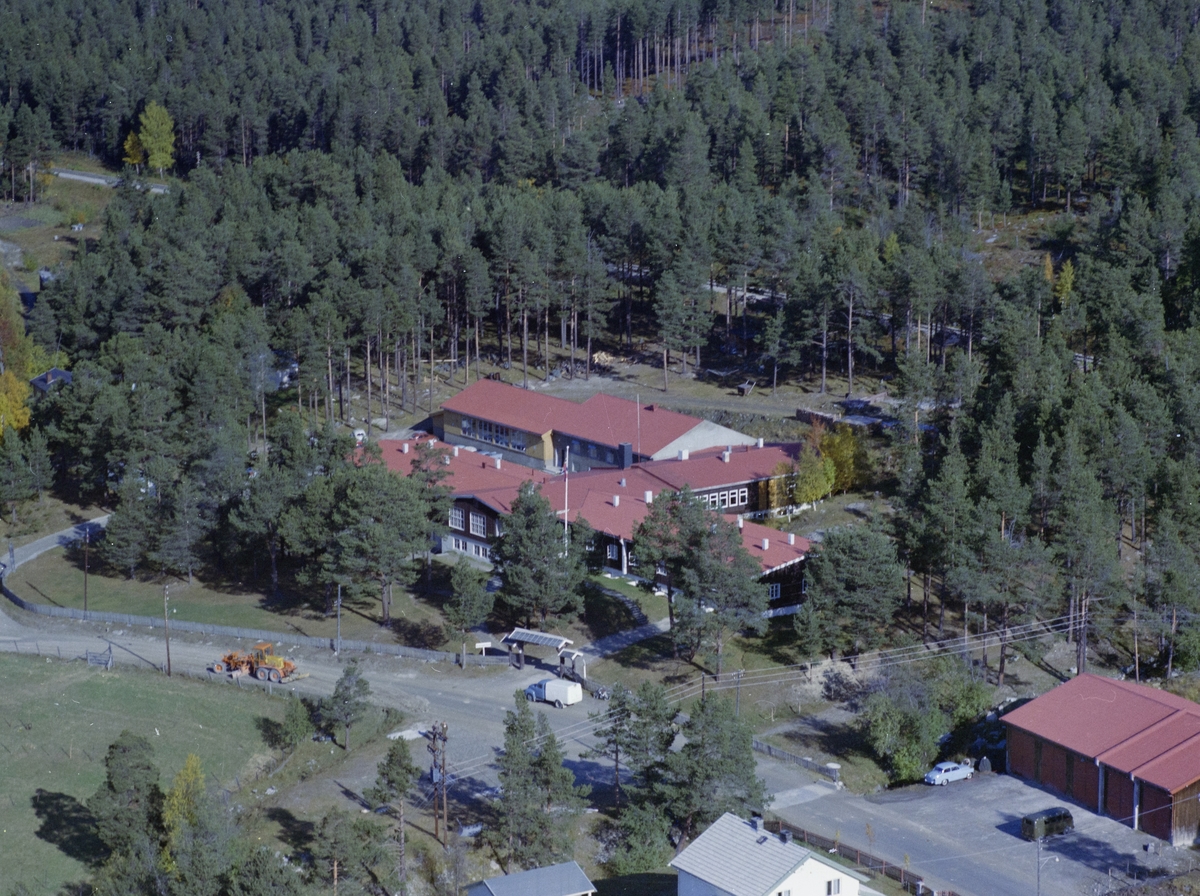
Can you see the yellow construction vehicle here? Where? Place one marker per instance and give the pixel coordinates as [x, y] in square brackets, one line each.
[261, 662]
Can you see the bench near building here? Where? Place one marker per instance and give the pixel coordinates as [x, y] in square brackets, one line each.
[1124, 750]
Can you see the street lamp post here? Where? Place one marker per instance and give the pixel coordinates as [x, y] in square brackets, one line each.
[338, 652]
[1040, 863]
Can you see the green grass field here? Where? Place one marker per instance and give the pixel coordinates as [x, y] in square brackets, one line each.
[56, 722]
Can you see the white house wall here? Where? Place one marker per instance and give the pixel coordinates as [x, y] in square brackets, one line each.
[811, 878]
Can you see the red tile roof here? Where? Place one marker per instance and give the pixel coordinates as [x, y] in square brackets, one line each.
[1150, 734]
[510, 406]
[608, 420]
[590, 494]
[602, 419]
[709, 469]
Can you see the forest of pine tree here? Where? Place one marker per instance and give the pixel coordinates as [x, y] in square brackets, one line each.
[370, 186]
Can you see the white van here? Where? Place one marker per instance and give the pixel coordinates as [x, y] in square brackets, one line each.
[555, 690]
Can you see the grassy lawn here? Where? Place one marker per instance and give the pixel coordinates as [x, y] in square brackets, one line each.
[57, 722]
[36, 519]
[57, 579]
[60, 204]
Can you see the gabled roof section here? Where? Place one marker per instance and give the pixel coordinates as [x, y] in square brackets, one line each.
[653, 431]
[711, 468]
[566, 879]
[510, 406]
[43, 381]
[608, 420]
[735, 857]
[1150, 734]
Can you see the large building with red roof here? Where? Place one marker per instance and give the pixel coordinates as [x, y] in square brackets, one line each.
[546, 432]
[614, 501]
[1124, 750]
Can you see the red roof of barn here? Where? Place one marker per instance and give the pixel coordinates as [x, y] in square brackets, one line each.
[1142, 731]
[603, 419]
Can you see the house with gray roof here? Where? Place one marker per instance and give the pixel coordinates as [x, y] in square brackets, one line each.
[566, 879]
[736, 857]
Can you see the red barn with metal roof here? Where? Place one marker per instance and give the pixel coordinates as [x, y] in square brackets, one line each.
[1125, 750]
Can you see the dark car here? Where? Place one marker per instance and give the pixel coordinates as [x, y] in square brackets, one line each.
[1047, 823]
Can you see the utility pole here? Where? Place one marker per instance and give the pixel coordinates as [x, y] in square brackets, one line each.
[437, 747]
[737, 702]
[338, 652]
[86, 541]
[167, 624]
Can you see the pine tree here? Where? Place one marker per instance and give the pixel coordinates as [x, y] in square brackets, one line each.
[471, 602]
[395, 776]
[16, 480]
[348, 703]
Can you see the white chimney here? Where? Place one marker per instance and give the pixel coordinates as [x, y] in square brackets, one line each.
[497, 463]
[725, 456]
[456, 451]
[622, 482]
[683, 454]
[616, 500]
[766, 544]
[741, 522]
[759, 443]
[791, 538]
[404, 448]
[649, 497]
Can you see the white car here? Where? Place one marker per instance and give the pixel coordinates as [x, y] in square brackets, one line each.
[945, 772]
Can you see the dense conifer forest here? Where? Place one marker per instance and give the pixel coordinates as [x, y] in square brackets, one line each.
[380, 187]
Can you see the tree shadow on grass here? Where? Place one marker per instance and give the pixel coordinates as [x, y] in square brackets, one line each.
[68, 825]
[296, 833]
[424, 634]
[835, 739]
[271, 731]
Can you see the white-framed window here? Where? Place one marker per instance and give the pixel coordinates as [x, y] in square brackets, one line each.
[456, 518]
[723, 499]
[633, 561]
[833, 887]
[481, 551]
[743, 495]
[497, 529]
[613, 553]
[478, 525]
[459, 544]
[773, 591]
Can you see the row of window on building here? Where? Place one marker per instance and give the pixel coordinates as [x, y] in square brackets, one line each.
[482, 551]
[459, 519]
[735, 497]
[485, 431]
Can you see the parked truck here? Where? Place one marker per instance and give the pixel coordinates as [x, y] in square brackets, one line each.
[261, 662]
[555, 690]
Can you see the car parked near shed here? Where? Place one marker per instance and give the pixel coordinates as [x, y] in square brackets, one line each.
[945, 772]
